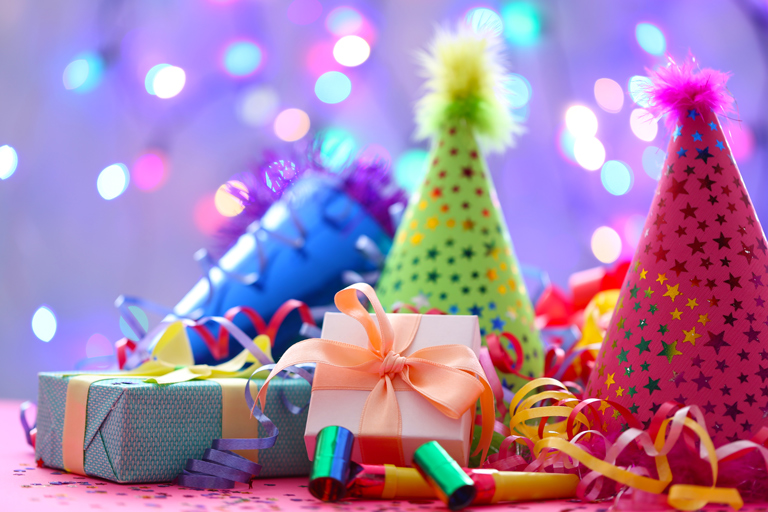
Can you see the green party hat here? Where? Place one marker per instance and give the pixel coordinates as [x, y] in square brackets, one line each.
[452, 250]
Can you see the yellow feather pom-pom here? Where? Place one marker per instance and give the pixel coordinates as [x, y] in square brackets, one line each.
[466, 80]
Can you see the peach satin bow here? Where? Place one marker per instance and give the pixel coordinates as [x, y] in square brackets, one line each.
[448, 376]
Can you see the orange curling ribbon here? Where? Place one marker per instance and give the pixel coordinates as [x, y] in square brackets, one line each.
[556, 444]
[450, 377]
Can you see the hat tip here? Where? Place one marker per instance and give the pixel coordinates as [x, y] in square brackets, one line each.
[679, 87]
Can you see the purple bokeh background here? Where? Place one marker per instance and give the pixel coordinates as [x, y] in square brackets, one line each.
[61, 244]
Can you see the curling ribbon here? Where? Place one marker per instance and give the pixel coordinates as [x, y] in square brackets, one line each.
[219, 345]
[556, 445]
[161, 371]
[450, 377]
[220, 468]
[30, 431]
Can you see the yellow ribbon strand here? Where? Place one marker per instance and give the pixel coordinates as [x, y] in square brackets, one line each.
[233, 369]
[557, 441]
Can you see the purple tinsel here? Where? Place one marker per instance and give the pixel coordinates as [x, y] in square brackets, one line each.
[366, 180]
[676, 88]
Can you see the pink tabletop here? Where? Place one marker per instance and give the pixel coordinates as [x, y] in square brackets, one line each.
[26, 488]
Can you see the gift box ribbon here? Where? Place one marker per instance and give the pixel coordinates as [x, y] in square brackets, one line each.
[240, 433]
[450, 377]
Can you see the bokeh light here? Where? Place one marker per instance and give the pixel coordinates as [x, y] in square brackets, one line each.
[333, 87]
[84, 73]
[638, 89]
[258, 105]
[337, 147]
[149, 79]
[227, 204]
[484, 20]
[617, 177]
[206, 217]
[304, 12]
[291, 124]
[351, 51]
[521, 114]
[76, 73]
[581, 121]
[606, 244]
[140, 316]
[410, 169]
[98, 345]
[241, 58]
[519, 90]
[653, 161]
[589, 153]
[9, 161]
[320, 59]
[343, 21]
[149, 171]
[741, 139]
[609, 95]
[168, 82]
[650, 38]
[522, 24]
[44, 323]
[633, 228]
[643, 125]
[566, 141]
[112, 181]
[165, 81]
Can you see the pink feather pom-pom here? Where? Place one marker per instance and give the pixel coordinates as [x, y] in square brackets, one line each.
[677, 88]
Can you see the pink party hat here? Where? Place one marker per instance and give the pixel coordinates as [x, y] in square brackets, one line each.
[690, 325]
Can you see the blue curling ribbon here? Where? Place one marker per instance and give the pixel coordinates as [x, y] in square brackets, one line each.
[220, 468]
[570, 335]
[123, 303]
[540, 277]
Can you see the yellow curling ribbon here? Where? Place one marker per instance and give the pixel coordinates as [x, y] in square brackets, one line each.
[229, 370]
[555, 442]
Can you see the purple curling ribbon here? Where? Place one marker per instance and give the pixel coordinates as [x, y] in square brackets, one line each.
[143, 350]
[28, 430]
[96, 363]
[571, 356]
[220, 468]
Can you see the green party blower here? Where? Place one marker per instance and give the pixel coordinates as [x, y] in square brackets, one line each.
[331, 467]
[436, 475]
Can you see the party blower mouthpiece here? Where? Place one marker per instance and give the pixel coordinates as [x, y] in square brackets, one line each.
[331, 466]
[451, 483]
[436, 475]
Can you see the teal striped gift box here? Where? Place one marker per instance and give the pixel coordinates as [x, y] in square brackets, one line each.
[137, 432]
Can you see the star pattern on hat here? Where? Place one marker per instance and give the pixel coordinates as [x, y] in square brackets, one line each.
[697, 330]
[453, 247]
